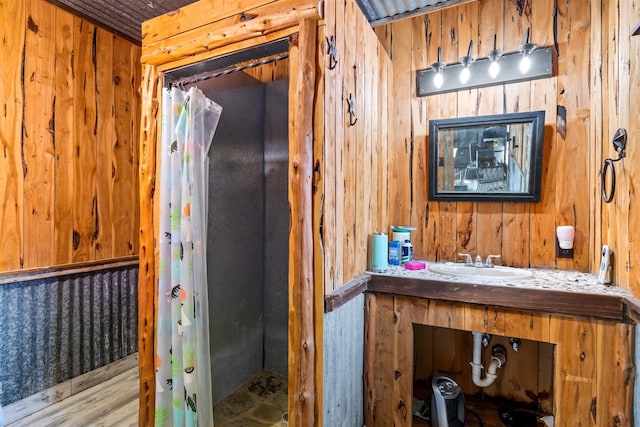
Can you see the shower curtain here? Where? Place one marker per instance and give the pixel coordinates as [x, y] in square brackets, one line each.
[183, 371]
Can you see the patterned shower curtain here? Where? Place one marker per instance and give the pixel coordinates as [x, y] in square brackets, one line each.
[183, 371]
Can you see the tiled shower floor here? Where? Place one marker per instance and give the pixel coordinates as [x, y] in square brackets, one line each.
[260, 402]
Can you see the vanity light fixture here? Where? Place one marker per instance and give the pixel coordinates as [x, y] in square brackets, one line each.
[497, 68]
[466, 62]
[525, 49]
[494, 55]
[438, 67]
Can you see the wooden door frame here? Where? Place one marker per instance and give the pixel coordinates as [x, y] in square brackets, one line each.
[305, 347]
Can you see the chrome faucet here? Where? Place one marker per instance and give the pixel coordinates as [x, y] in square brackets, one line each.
[468, 261]
[488, 262]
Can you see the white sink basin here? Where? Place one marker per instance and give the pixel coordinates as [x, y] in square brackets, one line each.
[496, 273]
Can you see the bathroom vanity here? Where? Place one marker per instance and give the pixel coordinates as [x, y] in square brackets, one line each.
[588, 328]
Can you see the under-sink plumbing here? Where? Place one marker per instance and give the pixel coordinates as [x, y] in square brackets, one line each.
[498, 359]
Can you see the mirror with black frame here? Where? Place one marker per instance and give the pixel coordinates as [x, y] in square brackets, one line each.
[492, 158]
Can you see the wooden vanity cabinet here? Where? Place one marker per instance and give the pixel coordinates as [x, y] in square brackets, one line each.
[593, 371]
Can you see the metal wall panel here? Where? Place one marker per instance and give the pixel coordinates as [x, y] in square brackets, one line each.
[57, 328]
[235, 236]
[343, 400]
[276, 249]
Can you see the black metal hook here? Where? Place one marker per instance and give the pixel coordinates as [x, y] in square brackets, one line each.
[332, 51]
[352, 110]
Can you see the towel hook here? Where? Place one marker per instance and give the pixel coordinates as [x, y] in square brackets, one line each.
[352, 110]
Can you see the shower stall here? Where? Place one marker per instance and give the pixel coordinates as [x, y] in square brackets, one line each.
[248, 222]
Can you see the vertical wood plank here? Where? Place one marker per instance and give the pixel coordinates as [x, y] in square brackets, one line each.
[515, 216]
[542, 222]
[318, 162]
[104, 147]
[332, 101]
[38, 142]
[362, 159]
[123, 148]
[466, 215]
[402, 363]
[572, 198]
[431, 234]
[632, 9]
[625, 191]
[12, 34]
[484, 319]
[147, 269]
[84, 142]
[64, 140]
[575, 370]
[303, 404]
[134, 52]
[490, 231]
[448, 107]
[384, 108]
[616, 372]
[419, 129]
[379, 360]
[400, 143]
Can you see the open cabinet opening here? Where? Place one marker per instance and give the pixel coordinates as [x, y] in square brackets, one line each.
[248, 233]
[520, 395]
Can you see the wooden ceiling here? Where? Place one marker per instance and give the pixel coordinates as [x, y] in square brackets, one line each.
[124, 17]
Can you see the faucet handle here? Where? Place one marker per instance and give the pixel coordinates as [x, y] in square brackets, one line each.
[488, 262]
[467, 260]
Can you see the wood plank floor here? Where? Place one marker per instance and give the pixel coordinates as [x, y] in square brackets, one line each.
[111, 403]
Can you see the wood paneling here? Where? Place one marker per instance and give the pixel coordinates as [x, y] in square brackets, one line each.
[620, 219]
[56, 173]
[12, 49]
[585, 369]
[37, 141]
[595, 64]
[522, 233]
[64, 126]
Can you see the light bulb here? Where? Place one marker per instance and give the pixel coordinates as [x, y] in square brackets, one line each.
[464, 75]
[525, 64]
[494, 69]
[438, 80]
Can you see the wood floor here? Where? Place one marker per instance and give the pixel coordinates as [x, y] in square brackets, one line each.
[111, 403]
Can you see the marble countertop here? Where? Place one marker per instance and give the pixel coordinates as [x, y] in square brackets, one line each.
[553, 291]
[543, 279]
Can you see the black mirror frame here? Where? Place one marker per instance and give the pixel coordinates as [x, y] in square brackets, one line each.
[536, 118]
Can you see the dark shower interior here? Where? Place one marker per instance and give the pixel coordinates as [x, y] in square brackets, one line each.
[247, 242]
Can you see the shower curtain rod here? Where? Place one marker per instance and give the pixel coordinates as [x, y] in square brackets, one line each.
[180, 83]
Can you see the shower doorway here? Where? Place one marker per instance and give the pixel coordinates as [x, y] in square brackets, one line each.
[248, 234]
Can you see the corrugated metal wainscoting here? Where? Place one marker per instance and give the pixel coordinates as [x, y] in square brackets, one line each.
[343, 400]
[56, 328]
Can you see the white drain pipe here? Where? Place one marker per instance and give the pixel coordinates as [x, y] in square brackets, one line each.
[498, 359]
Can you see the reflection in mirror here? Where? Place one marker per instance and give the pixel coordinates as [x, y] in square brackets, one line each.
[487, 157]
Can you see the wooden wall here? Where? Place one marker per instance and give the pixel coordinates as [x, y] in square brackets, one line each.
[620, 64]
[70, 116]
[357, 166]
[523, 233]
